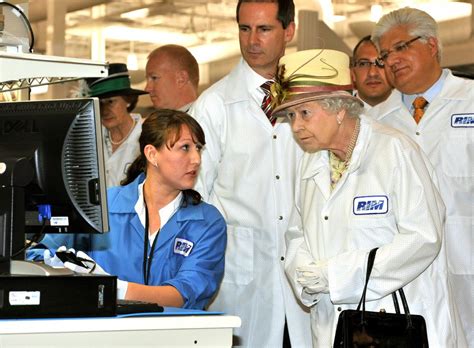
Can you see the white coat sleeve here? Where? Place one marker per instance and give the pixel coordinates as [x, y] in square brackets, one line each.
[209, 111]
[297, 255]
[297, 252]
[419, 218]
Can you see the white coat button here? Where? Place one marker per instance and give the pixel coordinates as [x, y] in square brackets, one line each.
[326, 217]
[282, 258]
[339, 309]
[417, 133]
[280, 217]
[277, 177]
[274, 136]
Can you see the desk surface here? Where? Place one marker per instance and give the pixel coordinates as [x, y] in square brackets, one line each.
[14, 326]
[161, 330]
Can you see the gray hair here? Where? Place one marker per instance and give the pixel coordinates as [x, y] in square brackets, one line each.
[334, 105]
[418, 22]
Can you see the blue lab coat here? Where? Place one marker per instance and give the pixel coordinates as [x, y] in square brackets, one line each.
[188, 254]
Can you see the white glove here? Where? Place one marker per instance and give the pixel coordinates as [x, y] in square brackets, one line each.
[95, 268]
[53, 260]
[92, 266]
[313, 278]
[310, 299]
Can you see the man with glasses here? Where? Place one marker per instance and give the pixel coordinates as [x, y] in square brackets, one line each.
[442, 123]
[368, 74]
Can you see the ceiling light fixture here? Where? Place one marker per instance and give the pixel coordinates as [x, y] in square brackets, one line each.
[123, 33]
[376, 12]
[132, 59]
[137, 14]
[446, 10]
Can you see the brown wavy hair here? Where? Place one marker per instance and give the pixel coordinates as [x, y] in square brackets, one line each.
[163, 128]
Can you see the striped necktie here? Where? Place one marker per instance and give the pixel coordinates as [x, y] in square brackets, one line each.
[419, 104]
[266, 102]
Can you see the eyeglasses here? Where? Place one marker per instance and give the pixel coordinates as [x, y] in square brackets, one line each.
[400, 47]
[366, 64]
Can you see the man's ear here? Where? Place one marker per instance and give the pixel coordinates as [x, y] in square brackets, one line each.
[353, 78]
[290, 32]
[433, 44]
[182, 77]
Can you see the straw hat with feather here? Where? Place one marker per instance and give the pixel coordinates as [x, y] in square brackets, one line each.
[311, 75]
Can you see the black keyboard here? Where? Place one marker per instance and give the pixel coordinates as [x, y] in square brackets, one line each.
[133, 306]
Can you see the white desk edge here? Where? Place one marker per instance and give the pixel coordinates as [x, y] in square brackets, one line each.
[62, 325]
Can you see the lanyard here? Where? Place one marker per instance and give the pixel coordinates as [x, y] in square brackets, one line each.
[147, 259]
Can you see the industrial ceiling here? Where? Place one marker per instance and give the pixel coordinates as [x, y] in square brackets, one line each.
[112, 30]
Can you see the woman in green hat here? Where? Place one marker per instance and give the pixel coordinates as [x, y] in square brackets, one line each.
[121, 128]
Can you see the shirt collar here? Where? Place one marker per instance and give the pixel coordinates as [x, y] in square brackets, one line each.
[429, 94]
[186, 107]
[165, 213]
[254, 81]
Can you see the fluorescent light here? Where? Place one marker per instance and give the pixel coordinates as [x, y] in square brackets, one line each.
[446, 10]
[39, 89]
[132, 61]
[376, 12]
[213, 52]
[338, 18]
[123, 33]
[137, 14]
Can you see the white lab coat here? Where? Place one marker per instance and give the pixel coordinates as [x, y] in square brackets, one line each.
[386, 167]
[450, 148]
[117, 163]
[367, 106]
[248, 172]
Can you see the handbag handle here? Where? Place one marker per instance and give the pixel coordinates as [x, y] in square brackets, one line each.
[370, 264]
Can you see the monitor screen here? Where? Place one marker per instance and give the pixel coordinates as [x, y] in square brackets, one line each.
[52, 173]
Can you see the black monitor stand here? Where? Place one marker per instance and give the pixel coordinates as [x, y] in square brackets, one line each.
[15, 174]
[47, 291]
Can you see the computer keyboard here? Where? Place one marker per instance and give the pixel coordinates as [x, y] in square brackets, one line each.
[134, 306]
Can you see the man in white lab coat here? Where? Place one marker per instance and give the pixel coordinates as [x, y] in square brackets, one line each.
[248, 172]
[409, 45]
[172, 77]
[368, 74]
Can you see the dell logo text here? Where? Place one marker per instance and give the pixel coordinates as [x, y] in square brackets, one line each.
[18, 126]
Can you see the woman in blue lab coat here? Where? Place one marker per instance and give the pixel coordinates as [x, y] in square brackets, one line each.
[165, 245]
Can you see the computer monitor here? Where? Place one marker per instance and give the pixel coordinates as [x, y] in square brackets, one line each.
[52, 172]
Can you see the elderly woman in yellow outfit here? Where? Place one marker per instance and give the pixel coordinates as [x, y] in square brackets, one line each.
[361, 185]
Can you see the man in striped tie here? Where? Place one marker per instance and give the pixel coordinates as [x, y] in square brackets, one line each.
[266, 101]
[248, 172]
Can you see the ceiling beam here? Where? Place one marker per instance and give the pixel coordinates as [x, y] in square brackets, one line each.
[37, 8]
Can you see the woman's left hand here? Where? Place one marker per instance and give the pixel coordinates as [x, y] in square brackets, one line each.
[313, 278]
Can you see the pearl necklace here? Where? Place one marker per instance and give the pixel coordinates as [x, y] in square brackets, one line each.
[352, 143]
[338, 167]
[116, 143]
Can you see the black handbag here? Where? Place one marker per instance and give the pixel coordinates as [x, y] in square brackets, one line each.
[361, 328]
